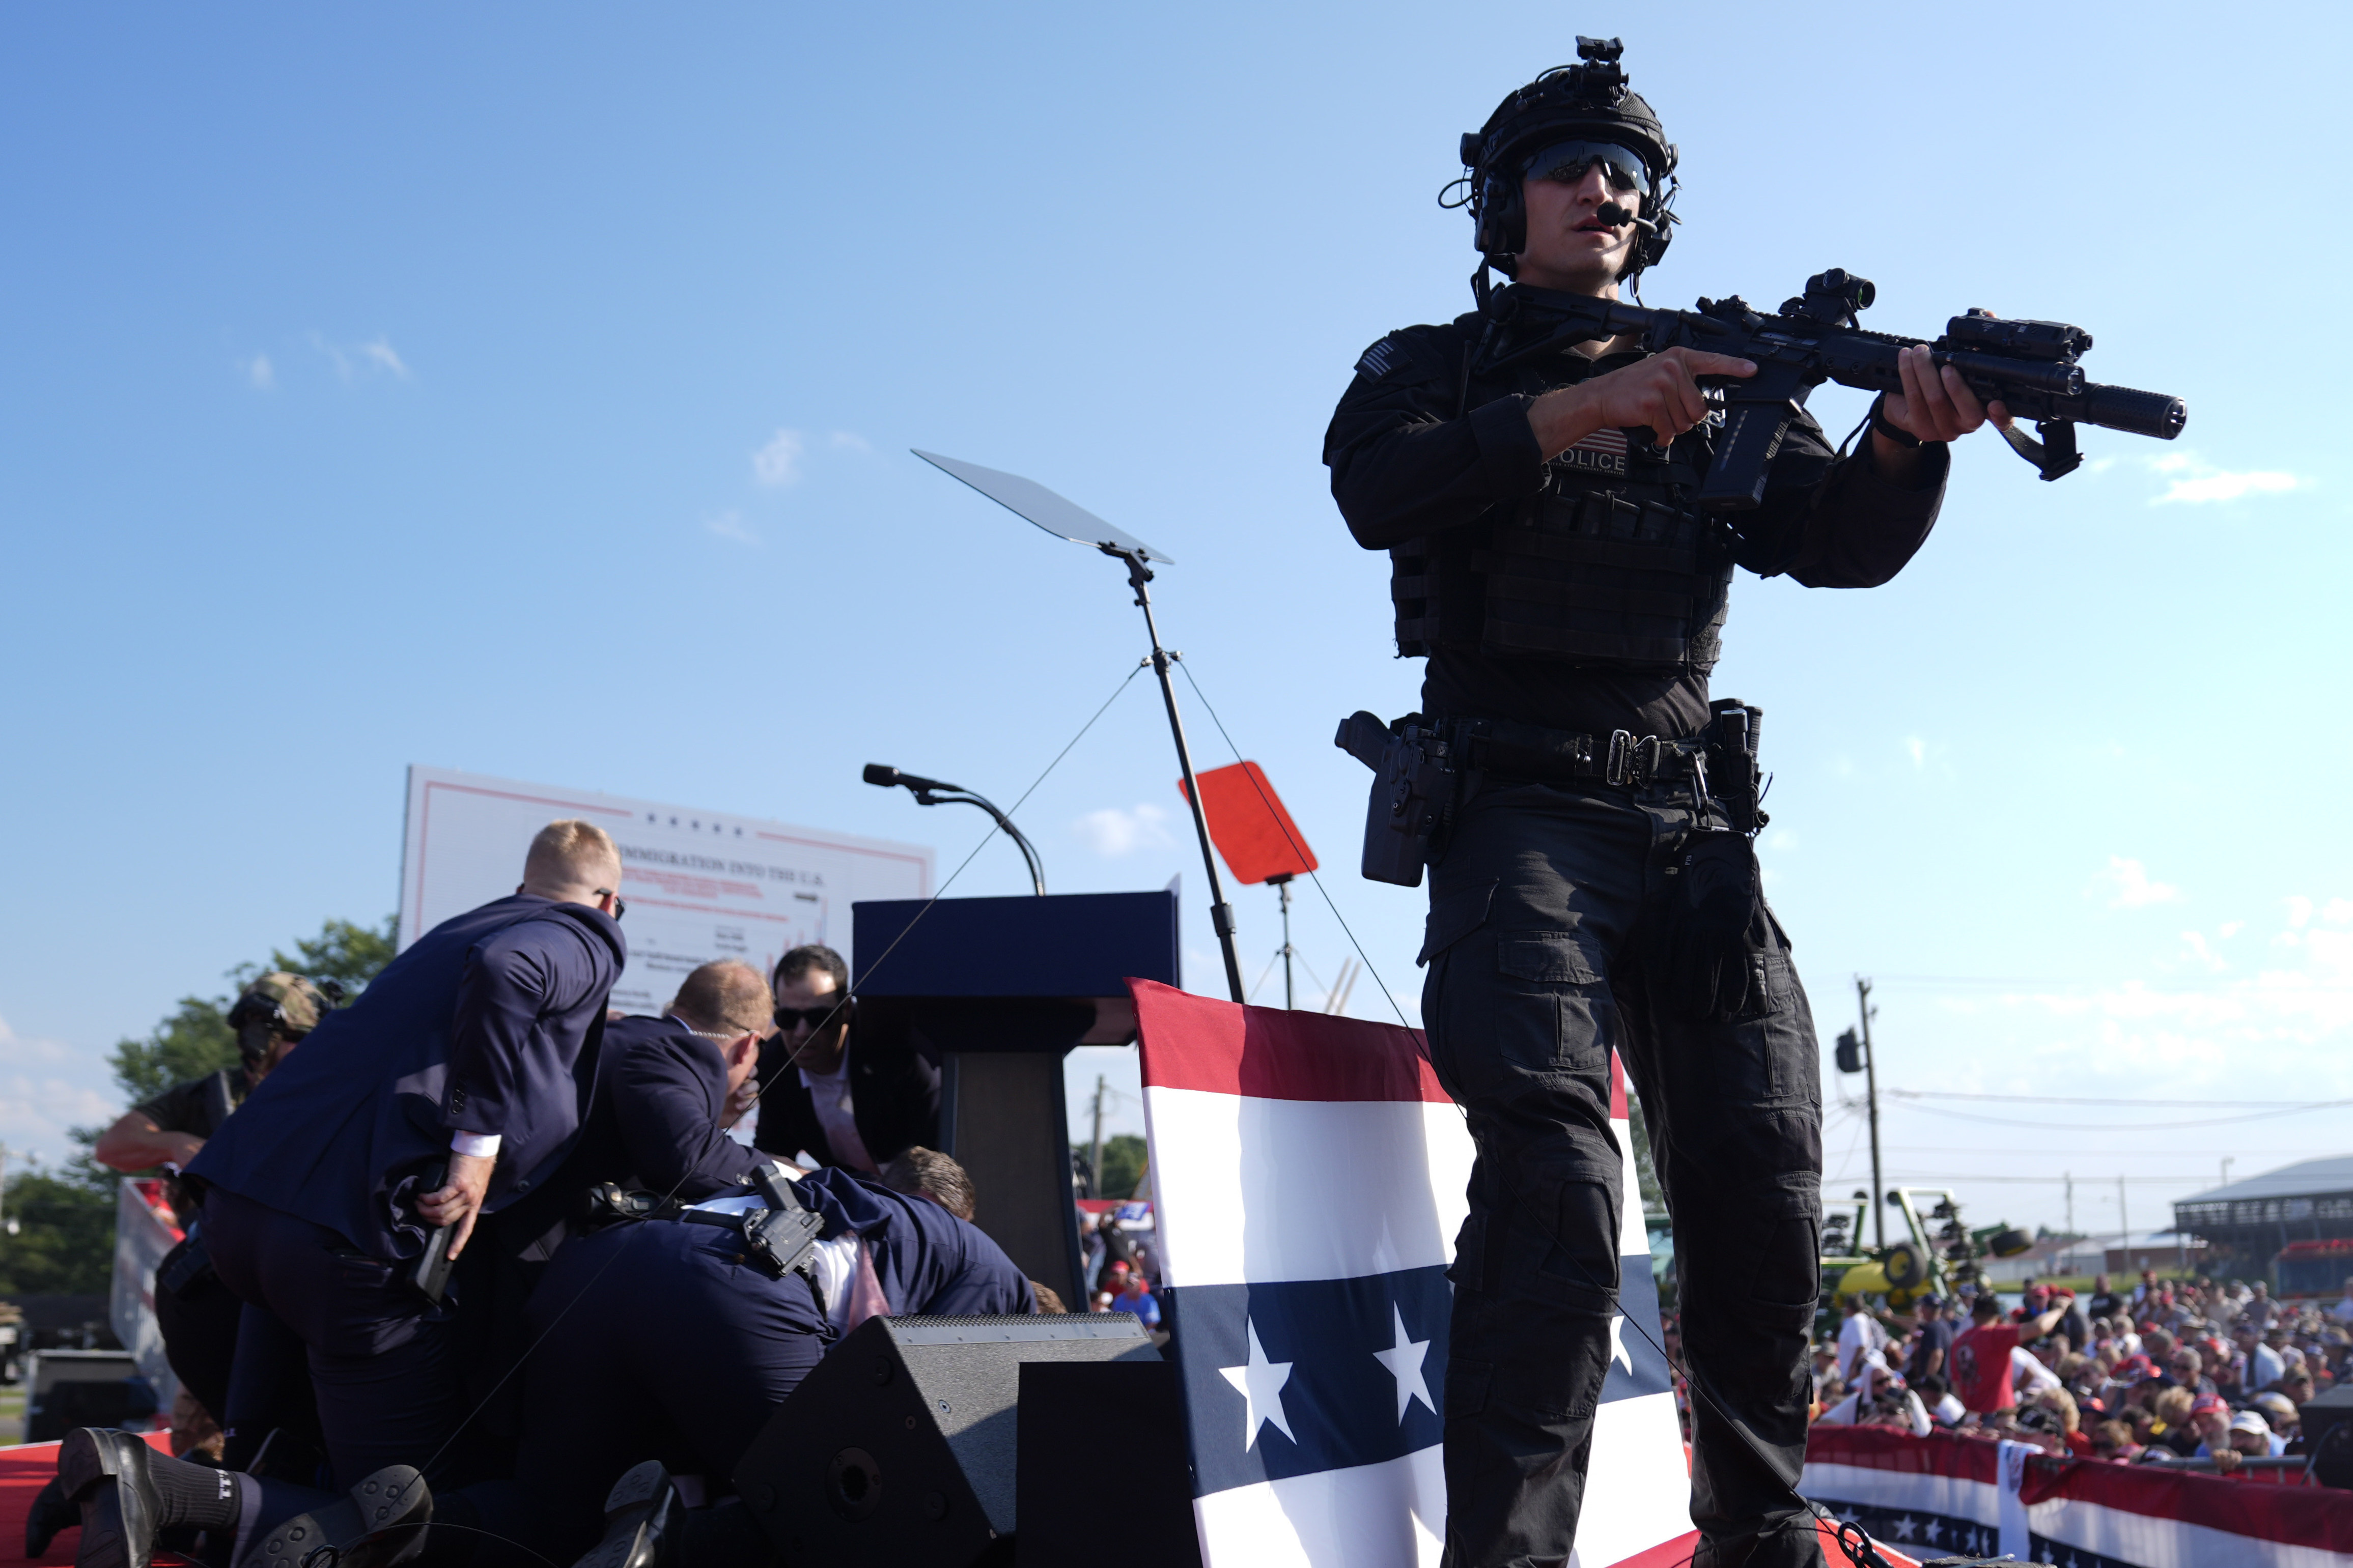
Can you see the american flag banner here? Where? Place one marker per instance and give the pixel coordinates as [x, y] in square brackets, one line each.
[1308, 1177]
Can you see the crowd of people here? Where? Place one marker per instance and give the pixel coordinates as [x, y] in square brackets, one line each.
[2169, 1371]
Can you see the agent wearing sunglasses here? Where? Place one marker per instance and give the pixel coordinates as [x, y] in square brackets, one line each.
[831, 1094]
[1550, 564]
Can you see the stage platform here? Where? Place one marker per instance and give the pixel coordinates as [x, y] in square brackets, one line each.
[24, 1469]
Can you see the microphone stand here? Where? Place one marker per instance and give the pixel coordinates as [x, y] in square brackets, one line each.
[932, 792]
[1221, 914]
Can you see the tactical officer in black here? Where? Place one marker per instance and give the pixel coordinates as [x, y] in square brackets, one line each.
[1592, 888]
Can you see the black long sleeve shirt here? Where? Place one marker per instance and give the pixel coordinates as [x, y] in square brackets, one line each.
[1406, 465]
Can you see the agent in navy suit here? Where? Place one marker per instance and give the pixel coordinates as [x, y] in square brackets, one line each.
[477, 1047]
[668, 1090]
[693, 1345]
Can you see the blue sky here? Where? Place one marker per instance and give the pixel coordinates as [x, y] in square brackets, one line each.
[530, 391]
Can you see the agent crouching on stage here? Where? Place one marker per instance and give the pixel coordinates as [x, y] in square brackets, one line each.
[1551, 567]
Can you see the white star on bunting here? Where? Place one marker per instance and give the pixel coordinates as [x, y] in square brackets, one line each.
[1618, 1350]
[1261, 1386]
[1404, 1361]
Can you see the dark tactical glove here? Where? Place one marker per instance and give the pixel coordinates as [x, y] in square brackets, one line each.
[1715, 928]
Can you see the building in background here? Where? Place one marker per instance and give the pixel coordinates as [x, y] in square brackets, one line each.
[2246, 1224]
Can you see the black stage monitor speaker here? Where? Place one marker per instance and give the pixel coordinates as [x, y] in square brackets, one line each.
[900, 1448]
[2327, 1428]
[1104, 1473]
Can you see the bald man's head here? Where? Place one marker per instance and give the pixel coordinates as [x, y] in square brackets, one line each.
[572, 862]
[723, 997]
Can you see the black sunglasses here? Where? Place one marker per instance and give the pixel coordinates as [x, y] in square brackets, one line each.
[620, 907]
[814, 1017]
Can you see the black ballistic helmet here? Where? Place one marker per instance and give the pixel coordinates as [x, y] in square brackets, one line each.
[1590, 101]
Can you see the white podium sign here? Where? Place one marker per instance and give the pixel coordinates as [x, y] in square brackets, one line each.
[699, 884]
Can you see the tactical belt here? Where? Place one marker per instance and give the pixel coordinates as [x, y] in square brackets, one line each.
[1620, 757]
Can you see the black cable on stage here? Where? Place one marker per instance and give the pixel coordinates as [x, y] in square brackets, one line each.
[1864, 1553]
[846, 997]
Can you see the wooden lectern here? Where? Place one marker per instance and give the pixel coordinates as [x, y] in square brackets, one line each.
[997, 991]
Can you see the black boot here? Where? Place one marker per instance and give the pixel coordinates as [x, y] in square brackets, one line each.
[51, 1513]
[106, 1473]
[380, 1523]
[643, 1521]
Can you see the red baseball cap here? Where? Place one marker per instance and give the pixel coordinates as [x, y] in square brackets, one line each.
[2206, 1402]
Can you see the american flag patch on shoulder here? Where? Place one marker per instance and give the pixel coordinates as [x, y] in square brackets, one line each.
[1378, 360]
[1603, 452]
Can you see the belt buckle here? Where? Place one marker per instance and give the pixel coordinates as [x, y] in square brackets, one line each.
[1632, 762]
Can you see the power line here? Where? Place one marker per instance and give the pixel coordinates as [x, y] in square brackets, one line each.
[2088, 1100]
[2078, 1130]
[1973, 1180]
[1982, 982]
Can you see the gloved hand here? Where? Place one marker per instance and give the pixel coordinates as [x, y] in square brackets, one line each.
[1715, 927]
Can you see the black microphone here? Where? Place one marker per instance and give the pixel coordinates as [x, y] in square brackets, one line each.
[1613, 214]
[885, 776]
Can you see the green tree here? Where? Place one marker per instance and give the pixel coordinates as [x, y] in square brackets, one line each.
[1123, 1165]
[195, 1039]
[65, 1236]
[1647, 1174]
[65, 1217]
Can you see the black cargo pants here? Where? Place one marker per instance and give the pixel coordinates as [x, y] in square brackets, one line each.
[1545, 953]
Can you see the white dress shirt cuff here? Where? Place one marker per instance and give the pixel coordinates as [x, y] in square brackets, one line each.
[480, 1145]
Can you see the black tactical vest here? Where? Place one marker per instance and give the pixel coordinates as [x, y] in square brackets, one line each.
[1608, 564]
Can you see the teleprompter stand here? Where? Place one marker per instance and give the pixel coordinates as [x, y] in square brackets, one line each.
[1065, 520]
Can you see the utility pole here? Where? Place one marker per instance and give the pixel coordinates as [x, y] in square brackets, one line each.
[2123, 1218]
[1871, 1088]
[1094, 1155]
[2228, 1160]
[2069, 1177]
[1282, 887]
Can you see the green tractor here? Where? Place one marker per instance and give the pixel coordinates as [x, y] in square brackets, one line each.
[1937, 1255]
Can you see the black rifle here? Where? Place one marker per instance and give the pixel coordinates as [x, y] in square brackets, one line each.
[2029, 365]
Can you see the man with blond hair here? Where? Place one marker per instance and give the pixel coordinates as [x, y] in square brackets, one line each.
[452, 1087]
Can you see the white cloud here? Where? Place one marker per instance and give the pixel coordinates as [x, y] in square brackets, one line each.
[1112, 832]
[849, 441]
[47, 1088]
[261, 373]
[380, 354]
[2201, 952]
[2128, 885]
[730, 525]
[1917, 750]
[779, 461]
[1782, 839]
[2190, 480]
[357, 362]
[2299, 910]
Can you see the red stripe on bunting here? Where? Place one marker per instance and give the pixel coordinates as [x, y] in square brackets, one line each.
[1268, 1053]
[2320, 1518]
[1885, 1448]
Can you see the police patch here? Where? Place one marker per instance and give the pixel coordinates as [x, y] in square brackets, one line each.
[1378, 360]
[1603, 452]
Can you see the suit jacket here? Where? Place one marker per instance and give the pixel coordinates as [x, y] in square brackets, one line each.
[485, 1024]
[894, 1098]
[655, 1127]
[927, 1260]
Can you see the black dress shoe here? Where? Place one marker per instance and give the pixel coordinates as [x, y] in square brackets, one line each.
[381, 1522]
[51, 1513]
[106, 1473]
[643, 1521]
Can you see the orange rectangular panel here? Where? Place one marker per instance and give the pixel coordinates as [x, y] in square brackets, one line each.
[1249, 825]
